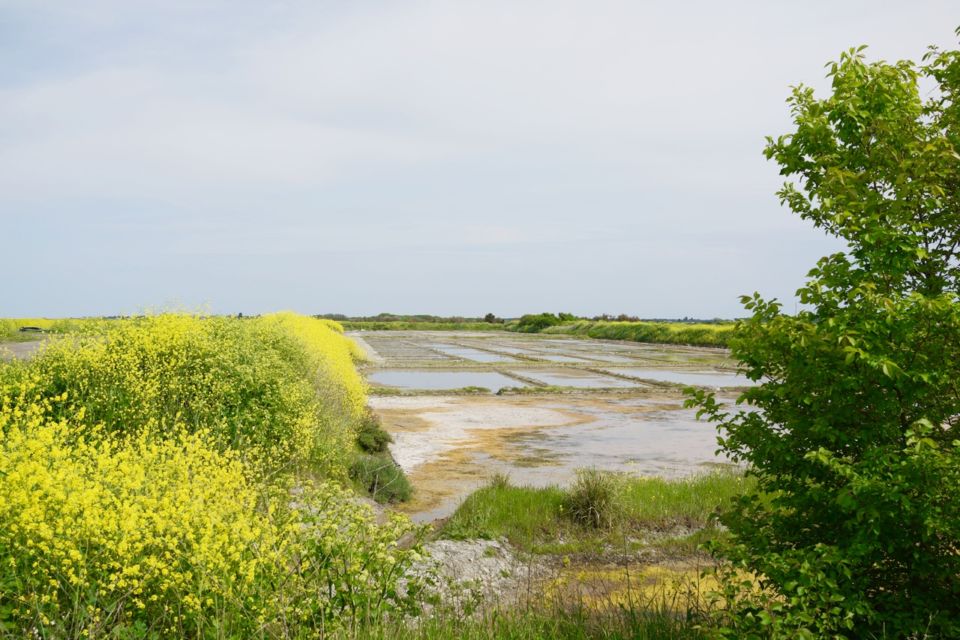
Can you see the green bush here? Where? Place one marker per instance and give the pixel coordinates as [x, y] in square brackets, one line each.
[853, 435]
[499, 481]
[380, 476]
[370, 435]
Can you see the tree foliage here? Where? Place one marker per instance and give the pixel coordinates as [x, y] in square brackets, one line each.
[854, 435]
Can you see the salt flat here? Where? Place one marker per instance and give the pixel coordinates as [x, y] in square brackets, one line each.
[563, 404]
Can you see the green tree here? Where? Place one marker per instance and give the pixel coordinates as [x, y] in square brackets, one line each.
[854, 433]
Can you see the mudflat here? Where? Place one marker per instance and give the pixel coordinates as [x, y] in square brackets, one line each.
[552, 405]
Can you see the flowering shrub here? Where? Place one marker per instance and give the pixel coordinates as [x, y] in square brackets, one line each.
[96, 532]
[330, 360]
[349, 569]
[134, 498]
[281, 390]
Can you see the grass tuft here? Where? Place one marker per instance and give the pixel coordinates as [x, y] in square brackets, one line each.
[555, 620]
[500, 481]
[595, 499]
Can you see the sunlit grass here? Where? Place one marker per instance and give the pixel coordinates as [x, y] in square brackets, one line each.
[556, 620]
[536, 518]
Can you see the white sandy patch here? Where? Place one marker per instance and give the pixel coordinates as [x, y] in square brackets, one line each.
[452, 420]
[410, 402]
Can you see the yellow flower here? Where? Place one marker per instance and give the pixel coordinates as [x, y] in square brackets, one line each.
[150, 461]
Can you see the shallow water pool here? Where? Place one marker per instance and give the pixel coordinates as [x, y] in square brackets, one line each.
[475, 355]
[695, 378]
[438, 380]
[578, 379]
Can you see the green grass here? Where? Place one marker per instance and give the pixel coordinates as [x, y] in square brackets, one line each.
[534, 519]
[546, 389]
[21, 337]
[691, 501]
[555, 621]
[524, 515]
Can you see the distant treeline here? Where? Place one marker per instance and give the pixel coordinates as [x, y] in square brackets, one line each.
[707, 334]
[407, 325]
[420, 322]
[28, 328]
[689, 331]
[394, 317]
[494, 319]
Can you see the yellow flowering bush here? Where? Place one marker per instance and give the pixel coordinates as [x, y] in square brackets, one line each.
[96, 532]
[349, 568]
[140, 493]
[281, 390]
[328, 361]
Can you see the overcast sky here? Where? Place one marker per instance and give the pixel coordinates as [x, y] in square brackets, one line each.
[413, 157]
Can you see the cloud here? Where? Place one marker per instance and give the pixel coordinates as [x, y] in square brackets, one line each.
[234, 129]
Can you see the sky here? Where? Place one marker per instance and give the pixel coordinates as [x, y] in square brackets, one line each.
[453, 158]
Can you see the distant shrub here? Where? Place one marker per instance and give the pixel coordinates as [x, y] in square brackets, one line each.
[471, 390]
[11, 327]
[408, 325]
